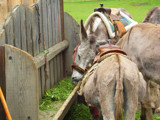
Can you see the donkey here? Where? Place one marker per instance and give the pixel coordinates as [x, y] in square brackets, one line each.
[153, 16]
[96, 27]
[115, 83]
[142, 44]
[116, 80]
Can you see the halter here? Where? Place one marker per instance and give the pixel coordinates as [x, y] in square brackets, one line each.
[75, 66]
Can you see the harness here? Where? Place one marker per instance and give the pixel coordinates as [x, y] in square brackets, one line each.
[75, 66]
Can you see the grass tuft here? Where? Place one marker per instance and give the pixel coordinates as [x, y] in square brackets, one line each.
[78, 112]
[57, 94]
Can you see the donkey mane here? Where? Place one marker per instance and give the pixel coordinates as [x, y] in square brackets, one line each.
[149, 14]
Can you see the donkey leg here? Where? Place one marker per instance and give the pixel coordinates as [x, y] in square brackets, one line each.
[150, 100]
[131, 101]
[146, 113]
[107, 105]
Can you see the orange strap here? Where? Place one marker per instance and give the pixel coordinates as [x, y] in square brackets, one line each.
[5, 105]
[121, 28]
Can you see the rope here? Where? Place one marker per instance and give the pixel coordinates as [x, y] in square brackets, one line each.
[88, 74]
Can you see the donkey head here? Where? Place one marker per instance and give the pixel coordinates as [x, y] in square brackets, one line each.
[85, 55]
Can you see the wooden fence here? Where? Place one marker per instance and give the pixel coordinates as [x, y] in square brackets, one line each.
[39, 31]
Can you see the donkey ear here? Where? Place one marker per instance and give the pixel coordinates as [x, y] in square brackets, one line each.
[83, 31]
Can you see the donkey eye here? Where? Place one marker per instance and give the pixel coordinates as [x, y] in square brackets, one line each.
[79, 57]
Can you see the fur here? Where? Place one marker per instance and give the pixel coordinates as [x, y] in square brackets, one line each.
[142, 45]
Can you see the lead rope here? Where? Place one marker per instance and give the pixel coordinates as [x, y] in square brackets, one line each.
[88, 74]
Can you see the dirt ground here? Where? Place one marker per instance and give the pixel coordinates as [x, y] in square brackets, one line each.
[49, 114]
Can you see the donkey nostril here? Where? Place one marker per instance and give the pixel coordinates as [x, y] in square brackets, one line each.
[74, 78]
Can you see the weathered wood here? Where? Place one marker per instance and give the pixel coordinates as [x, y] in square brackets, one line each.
[3, 10]
[50, 37]
[35, 30]
[22, 84]
[54, 28]
[55, 71]
[9, 31]
[62, 34]
[29, 31]
[52, 73]
[17, 26]
[45, 23]
[2, 37]
[47, 75]
[2, 79]
[71, 28]
[52, 52]
[23, 28]
[58, 68]
[41, 48]
[59, 40]
[39, 84]
[67, 104]
[62, 18]
[43, 79]
[53, 21]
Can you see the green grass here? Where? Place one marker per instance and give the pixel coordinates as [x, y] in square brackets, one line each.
[57, 94]
[81, 10]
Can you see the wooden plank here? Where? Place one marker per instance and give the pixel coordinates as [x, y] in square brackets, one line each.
[52, 52]
[56, 40]
[45, 23]
[29, 31]
[9, 31]
[62, 34]
[43, 79]
[54, 28]
[67, 104]
[39, 84]
[52, 73]
[59, 39]
[3, 10]
[41, 48]
[23, 28]
[53, 21]
[2, 80]
[22, 84]
[55, 71]
[17, 26]
[62, 18]
[41, 44]
[50, 37]
[47, 75]
[35, 30]
[2, 37]
[50, 40]
[72, 30]
[56, 22]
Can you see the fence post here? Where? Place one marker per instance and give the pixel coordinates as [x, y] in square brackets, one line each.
[21, 79]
